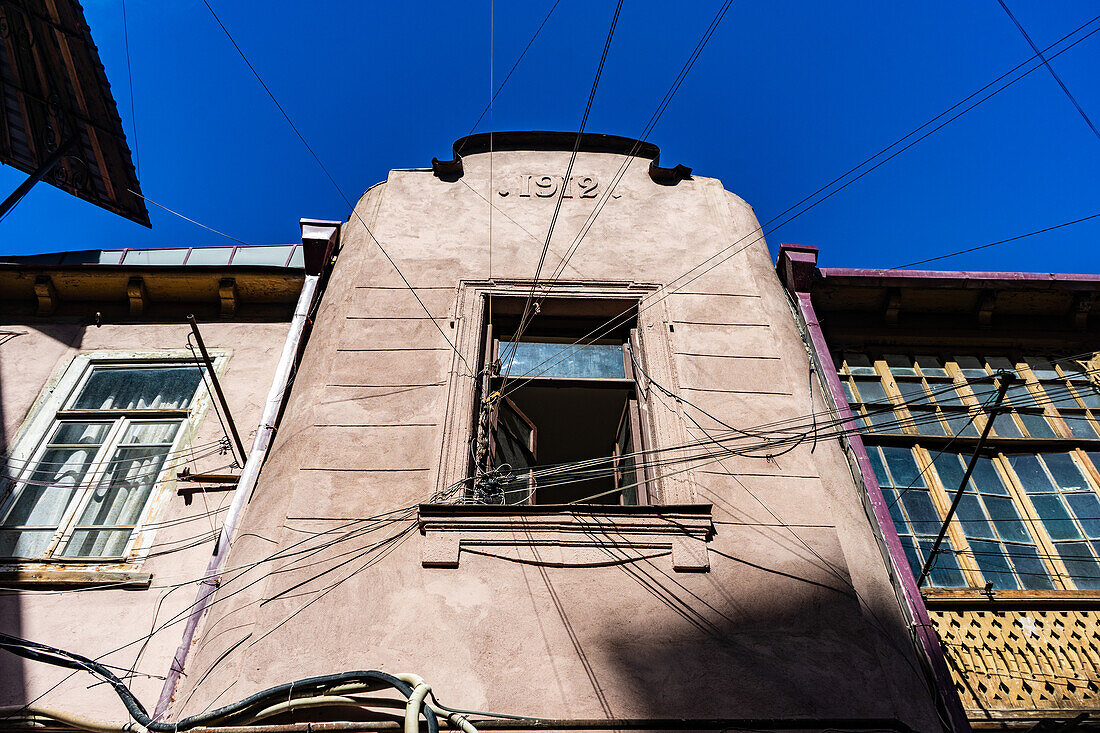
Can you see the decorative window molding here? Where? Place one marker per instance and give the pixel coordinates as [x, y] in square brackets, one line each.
[567, 536]
[60, 562]
[660, 426]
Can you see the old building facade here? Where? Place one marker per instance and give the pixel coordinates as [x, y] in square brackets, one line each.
[603, 479]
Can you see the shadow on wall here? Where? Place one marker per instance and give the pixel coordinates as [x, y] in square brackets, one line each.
[13, 687]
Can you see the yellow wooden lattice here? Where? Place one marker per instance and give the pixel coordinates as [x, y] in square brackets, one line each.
[1020, 662]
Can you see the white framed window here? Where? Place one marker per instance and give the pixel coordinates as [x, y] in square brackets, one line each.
[86, 467]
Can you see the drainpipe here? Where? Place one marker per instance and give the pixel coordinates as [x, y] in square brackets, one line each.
[319, 240]
[797, 268]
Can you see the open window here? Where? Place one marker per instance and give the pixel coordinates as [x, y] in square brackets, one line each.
[560, 420]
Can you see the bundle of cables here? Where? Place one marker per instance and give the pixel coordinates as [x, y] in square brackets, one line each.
[326, 690]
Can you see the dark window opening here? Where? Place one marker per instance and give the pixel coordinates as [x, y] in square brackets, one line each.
[559, 420]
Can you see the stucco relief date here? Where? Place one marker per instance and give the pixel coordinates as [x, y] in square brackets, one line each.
[535, 186]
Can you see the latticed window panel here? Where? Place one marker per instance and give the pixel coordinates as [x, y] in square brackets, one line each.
[1029, 519]
[1021, 662]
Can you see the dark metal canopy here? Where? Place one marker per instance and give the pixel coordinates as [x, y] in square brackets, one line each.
[58, 120]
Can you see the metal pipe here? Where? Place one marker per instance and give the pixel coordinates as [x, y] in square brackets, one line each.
[37, 175]
[1006, 379]
[217, 388]
[777, 724]
[249, 474]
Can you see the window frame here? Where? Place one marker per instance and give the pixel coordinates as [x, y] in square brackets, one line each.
[1000, 448]
[653, 348]
[50, 410]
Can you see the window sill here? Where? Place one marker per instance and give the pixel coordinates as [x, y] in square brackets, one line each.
[572, 535]
[974, 599]
[44, 576]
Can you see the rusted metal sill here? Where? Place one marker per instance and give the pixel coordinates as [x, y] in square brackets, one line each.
[70, 578]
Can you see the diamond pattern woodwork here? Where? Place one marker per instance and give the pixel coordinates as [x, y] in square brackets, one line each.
[1016, 663]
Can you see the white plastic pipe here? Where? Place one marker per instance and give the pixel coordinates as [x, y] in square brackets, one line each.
[245, 484]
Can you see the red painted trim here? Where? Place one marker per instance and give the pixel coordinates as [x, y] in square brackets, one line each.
[953, 277]
[926, 633]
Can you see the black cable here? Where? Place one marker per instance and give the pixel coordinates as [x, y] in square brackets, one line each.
[524, 320]
[227, 714]
[1051, 70]
[994, 244]
[130, 77]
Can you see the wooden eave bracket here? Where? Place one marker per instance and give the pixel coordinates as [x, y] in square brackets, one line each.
[987, 303]
[46, 294]
[1082, 306]
[136, 292]
[227, 294]
[893, 306]
[567, 535]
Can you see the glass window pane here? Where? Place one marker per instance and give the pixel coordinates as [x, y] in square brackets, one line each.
[945, 572]
[900, 365]
[80, 433]
[542, 359]
[928, 422]
[210, 256]
[1020, 396]
[903, 467]
[1081, 564]
[1000, 363]
[994, 564]
[911, 554]
[986, 478]
[913, 391]
[946, 394]
[97, 543]
[931, 366]
[970, 366]
[1055, 516]
[859, 364]
[871, 390]
[883, 420]
[1089, 395]
[1032, 572]
[145, 388]
[1006, 427]
[1065, 472]
[1042, 368]
[150, 433]
[1031, 474]
[1086, 507]
[878, 467]
[847, 390]
[25, 543]
[922, 514]
[43, 497]
[1079, 425]
[120, 498]
[1037, 426]
[1006, 518]
[972, 517]
[950, 470]
[960, 423]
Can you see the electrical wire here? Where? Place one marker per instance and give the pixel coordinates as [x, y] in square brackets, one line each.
[335, 185]
[665, 291]
[1050, 68]
[524, 321]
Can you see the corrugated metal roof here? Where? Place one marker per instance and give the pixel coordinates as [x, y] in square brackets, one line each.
[271, 255]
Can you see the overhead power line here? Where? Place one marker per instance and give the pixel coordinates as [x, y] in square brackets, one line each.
[994, 244]
[1051, 70]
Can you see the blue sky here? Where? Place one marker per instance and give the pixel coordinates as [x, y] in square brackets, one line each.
[786, 96]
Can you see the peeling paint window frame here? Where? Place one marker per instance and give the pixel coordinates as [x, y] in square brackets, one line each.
[49, 410]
